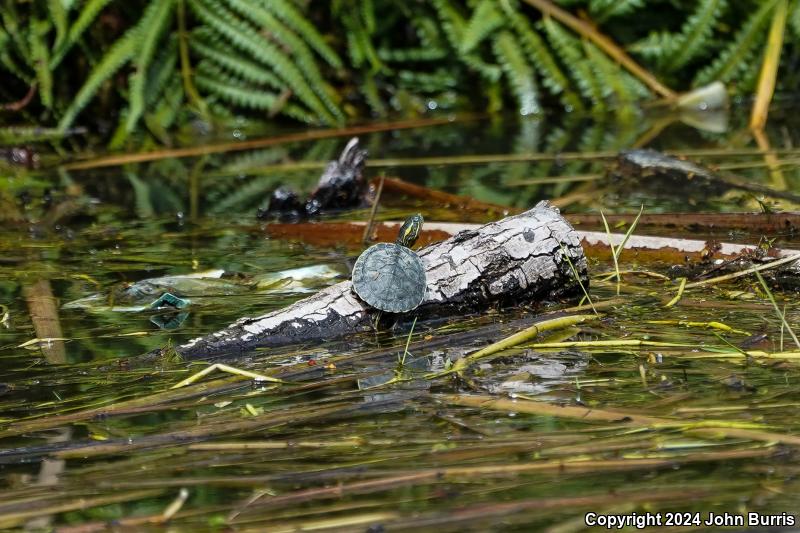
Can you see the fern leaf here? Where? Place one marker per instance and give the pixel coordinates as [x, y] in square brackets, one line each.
[249, 71]
[696, 32]
[297, 47]
[359, 41]
[370, 91]
[40, 57]
[58, 15]
[248, 195]
[484, 20]
[293, 18]
[412, 55]
[536, 49]
[8, 61]
[163, 116]
[656, 47]
[215, 82]
[735, 57]
[453, 22]
[368, 15]
[163, 70]
[11, 18]
[611, 77]
[85, 17]
[244, 37]
[570, 52]
[148, 34]
[519, 73]
[120, 52]
[603, 10]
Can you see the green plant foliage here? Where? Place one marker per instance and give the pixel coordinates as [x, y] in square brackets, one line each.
[322, 62]
[519, 72]
[672, 51]
[152, 27]
[736, 56]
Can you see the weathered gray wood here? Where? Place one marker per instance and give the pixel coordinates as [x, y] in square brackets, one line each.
[517, 260]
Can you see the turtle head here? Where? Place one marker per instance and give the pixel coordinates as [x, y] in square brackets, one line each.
[409, 231]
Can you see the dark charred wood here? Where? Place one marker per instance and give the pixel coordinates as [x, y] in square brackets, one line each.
[518, 260]
[341, 186]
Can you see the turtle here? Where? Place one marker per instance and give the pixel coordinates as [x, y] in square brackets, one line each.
[390, 276]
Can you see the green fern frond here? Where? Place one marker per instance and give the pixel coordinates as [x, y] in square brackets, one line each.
[7, 59]
[249, 160]
[453, 23]
[369, 88]
[40, 56]
[297, 47]
[120, 53]
[162, 70]
[368, 15]
[657, 47]
[232, 90]
[248, 195]
[167, 109]
[486, 19]
[10, 18]
[360, 47]
[519, 73]
[293, 18]
[454, 26]
[427, 82]
[148, 34]
[249, 71]
[247, 39]
[571, 53]
[736, 56]
[58, 15]
[611, 77]
[412, 55]
[539, 54]
[696, 32]
[488, 71]
[603, 10]
[85, 17]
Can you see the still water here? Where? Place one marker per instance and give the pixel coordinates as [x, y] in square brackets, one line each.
[91, 434]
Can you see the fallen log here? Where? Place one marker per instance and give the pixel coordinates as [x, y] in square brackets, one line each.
[516, 260]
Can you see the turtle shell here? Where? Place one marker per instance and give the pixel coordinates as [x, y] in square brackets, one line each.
[389, 277]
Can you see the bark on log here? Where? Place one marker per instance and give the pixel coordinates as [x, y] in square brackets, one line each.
[517, 260]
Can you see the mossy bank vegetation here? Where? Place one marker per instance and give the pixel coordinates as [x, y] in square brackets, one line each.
[154, 65]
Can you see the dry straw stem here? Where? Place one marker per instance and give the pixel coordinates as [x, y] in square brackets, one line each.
[578, 278]
[692, 324]
[769, 68]
[678, 296]
[13, 518]
[623, 343]
[714, 429]
[734, 275]
[309, 135]
[616, 251]
[228, 369]
[782, 316]
[517, 338]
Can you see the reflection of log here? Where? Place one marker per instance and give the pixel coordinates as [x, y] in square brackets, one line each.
[516, 260]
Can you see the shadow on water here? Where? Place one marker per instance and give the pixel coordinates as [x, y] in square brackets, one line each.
[89, 436]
